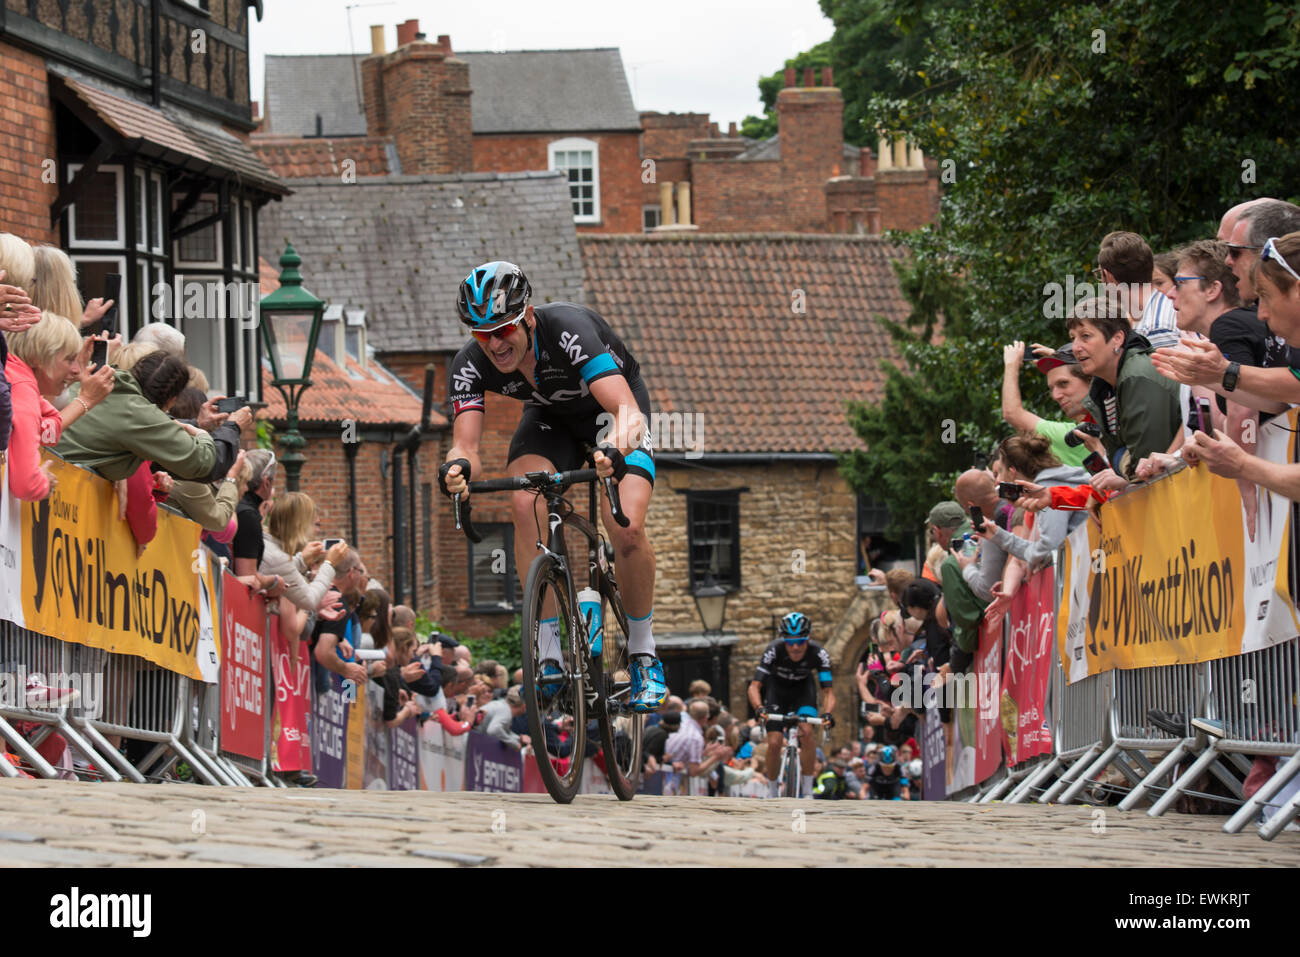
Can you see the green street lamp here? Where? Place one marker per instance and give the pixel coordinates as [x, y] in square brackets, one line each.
[290, 321]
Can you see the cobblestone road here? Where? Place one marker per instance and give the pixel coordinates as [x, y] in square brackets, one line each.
[65, 823]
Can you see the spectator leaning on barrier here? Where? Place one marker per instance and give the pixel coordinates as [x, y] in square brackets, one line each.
[131, 426]
[1030, 457]
[249, 545]
[1136, 408]
[964, 608]
[498, 714]
[330, 638]
[42, 361]
[1276, 277]
[17, 313]
[975, 489]
[1068, 385]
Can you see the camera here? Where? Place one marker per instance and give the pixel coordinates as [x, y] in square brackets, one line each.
[1009, 491]
[1087, 428]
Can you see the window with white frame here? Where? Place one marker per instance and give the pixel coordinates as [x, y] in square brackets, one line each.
[202, 247]
[579, 160]
[354, 335]
[98, 219]
[649, 217]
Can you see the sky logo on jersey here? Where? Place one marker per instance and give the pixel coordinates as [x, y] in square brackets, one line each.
[464, 379]
[570, 344]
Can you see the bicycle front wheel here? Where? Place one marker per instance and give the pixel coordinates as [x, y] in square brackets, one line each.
[790, 788]
[556, 704]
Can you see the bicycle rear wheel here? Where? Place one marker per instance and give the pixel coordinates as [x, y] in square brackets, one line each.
[790, 788]
[620, 726]
[557, 720]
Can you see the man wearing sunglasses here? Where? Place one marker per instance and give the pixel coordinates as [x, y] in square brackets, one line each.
[786, 682]
[1274, 385]
[573, 374]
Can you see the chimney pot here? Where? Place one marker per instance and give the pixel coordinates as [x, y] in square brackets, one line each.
[731, 128]
[807, 76]
[257, 110]
[406, 32]
[789, 76]
[377, 39]
[713, 130]
[444, 41]
[826, 76]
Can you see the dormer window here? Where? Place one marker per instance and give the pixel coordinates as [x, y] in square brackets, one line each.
[354, 335]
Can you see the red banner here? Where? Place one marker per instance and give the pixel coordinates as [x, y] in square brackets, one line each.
[1023, 704]
[243, 686]
[290, 742]
[988, 737]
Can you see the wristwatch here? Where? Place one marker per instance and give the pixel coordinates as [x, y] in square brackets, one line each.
[1230, 377]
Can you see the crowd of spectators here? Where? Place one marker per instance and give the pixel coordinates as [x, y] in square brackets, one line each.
[1174, 361]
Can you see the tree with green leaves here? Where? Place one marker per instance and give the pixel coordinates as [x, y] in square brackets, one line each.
[1054, 124]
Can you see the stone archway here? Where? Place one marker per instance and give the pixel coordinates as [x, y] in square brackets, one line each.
[845, 646]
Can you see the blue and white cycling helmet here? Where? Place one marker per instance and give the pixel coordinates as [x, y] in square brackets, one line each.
[492, 294]
[795, 626]
[887, 754]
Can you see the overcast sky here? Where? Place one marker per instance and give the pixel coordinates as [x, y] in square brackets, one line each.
[700, 56]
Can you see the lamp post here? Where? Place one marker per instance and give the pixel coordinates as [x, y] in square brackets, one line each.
[290, 321]
[711, 604]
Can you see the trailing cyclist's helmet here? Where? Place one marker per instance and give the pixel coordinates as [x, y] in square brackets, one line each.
[795, 625]
[887, 756]
[491, 294]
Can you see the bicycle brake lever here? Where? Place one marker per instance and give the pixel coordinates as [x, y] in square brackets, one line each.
[615, 505]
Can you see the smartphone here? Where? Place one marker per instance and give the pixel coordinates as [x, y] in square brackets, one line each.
[331, 542]
[956, 543]
[976, 517]
[1204, 416]
[107, 322]
[99, 353]
[1094, 463]
[231, 403]
[1009, 491]
[469, 700]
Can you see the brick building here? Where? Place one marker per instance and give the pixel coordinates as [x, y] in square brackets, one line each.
[424, 109]
[353, 418]
[750, 345]
[136, 163]
[803, 179]
[397, 247]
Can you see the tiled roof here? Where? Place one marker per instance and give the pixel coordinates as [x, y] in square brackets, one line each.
[369, 395]
[714, 322]
[306, 158]
[156, 131]
[552, 91]
[770, 149]
[518, 91]
[299, 88]
[399, 246]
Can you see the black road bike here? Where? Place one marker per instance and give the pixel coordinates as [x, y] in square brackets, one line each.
[594, 686]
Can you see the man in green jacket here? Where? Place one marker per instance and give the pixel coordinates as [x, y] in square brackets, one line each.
[127, 429]
[947, 521]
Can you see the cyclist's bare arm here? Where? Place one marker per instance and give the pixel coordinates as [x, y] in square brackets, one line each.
[466, 433]
[828, 701]
[756, 695]
[615, 397]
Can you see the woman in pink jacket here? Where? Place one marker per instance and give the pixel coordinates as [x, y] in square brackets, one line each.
[43, 360]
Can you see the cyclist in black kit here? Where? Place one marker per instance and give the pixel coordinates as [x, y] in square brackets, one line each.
[581, 388]
[786, 682]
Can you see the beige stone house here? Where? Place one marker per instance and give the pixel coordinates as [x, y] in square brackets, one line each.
[750, 345]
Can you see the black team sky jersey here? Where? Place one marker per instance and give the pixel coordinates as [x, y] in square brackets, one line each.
[573, 346]
[777, 669]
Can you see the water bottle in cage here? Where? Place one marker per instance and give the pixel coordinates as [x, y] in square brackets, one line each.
[589, 603]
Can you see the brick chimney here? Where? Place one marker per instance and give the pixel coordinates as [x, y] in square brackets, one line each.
[419, 95]
[906, 189]
[810, 124]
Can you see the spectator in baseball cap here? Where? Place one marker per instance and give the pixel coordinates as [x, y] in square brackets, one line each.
[1068, 385]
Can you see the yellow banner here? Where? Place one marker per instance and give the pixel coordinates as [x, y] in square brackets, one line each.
[83, 582]
[1165, 577]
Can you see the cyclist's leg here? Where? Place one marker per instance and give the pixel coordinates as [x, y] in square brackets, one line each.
[537, 445]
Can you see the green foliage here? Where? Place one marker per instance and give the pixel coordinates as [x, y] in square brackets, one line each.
[869, 38]
[1052, 141]
[265, 435]
[502, 646]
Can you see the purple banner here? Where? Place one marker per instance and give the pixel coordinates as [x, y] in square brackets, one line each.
[375, 775]
[491, 765]
[403, 761]
[329, 735]
[934, 756]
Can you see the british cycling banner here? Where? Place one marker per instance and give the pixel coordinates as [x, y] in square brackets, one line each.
[1191, 567]
[290, 743]
[243, 690]
[1023, 705]
[988, 739]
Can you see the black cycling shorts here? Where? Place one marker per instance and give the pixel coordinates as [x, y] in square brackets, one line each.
[787, 700]
[563, 439]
